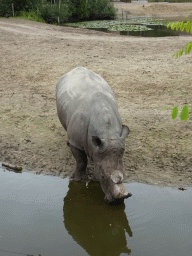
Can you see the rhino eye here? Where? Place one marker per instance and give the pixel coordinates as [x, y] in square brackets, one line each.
[102, 176]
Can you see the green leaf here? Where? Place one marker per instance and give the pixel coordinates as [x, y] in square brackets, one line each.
[169, 25]
[189, 46]
[165, 108]
[184, 113]
[181, 52]
[178, 25]
[176, 54]
[182, 26]
[186, 49]
[191, 30]
[173, 26]
[188, 26]
[174, 112]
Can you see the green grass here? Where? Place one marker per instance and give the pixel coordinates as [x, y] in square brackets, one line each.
[31, 15]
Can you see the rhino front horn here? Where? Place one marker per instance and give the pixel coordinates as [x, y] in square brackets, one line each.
[117, 177]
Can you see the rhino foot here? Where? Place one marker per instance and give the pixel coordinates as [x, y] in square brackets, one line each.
[76, 176]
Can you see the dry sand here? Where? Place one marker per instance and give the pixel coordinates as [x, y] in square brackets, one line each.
[141, 72]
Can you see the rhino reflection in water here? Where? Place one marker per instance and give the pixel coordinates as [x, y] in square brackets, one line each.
[87, 109]
[95, 225]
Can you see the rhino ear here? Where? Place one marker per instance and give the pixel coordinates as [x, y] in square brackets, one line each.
[97, 141]
[125, 131]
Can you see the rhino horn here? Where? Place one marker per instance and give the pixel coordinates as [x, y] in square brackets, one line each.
[117, 177]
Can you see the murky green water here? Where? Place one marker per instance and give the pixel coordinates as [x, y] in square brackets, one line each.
[50, 216]
[156, 31]
[145, 27]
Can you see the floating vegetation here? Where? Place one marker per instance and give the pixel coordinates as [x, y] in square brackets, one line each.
[128, 28]
[120, 25]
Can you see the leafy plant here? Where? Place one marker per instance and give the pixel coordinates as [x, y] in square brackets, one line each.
[182, 26]
[91, 9]
[51, 12]
[187, 49]
[31, 15]
[113, 25]
[19, 5]
[5, 8]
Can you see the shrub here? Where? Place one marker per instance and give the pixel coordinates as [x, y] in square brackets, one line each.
[5, 8]
[102, 9]
[19, 5]
[91, 9]
[69, 10]
[31, 15]
[51, 12]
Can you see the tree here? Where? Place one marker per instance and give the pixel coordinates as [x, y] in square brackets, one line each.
[19, 5]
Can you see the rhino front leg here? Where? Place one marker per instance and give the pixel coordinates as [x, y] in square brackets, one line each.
[81, 165]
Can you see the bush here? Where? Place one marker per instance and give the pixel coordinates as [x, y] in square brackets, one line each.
[78, 9]
[51, 12]
[70, 10]
[5, 8]
[91, 9]
[31, 15]
[103, 10]
[19, 5]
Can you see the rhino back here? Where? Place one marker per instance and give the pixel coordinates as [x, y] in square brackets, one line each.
[82, 96]
[81, 82]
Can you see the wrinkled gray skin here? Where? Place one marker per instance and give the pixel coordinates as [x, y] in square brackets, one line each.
[87, 109]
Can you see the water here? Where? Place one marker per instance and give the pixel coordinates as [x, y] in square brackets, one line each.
[157, 31]
[144, 27]
[49, 216]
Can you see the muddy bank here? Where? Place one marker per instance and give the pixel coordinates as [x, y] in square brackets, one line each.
[141, 72]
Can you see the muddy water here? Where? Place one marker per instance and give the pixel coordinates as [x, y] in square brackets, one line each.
[50, 216]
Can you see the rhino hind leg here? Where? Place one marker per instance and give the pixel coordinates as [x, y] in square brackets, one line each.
[81, 165]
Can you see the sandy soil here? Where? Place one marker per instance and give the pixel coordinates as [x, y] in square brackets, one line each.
[142, 73]
[154, 9]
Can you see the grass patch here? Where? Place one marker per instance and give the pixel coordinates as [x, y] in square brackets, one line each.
[31, 15]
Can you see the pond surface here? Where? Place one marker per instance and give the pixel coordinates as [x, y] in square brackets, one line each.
[145, 27]
[49, 216]
[155, 31]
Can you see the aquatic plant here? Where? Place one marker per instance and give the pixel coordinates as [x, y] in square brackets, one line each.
[119, 25]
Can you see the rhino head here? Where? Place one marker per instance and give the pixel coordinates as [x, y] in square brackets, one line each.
[108, 166]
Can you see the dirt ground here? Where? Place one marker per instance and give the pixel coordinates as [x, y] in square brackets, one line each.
[142, 74]
[154, 9]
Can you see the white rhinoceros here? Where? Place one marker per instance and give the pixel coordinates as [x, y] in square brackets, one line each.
[87, 109]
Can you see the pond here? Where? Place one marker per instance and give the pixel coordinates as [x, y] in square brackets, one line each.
[146, 27]
[46, 215]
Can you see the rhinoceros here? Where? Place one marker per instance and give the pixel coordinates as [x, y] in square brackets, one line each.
[87, 109]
